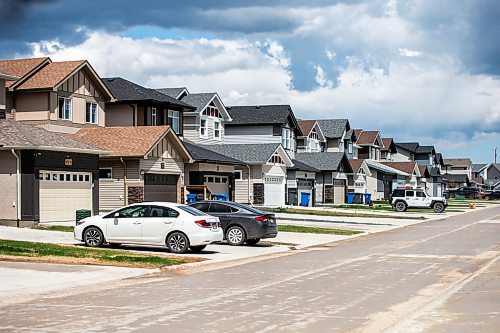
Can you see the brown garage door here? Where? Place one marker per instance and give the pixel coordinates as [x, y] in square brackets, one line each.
[159, 187]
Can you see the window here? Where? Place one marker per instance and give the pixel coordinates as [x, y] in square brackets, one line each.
[173, 120]
[91, 113]
[106, 173]
[153, 117]
[129, 212]
[420, 194]
[410, 193]
[162, 212]
[286, 138]
[203, 128]
[216, 130]
[219, 208]
[191, 210]
[276, 159]
[65, 108]
[349, 147]
[201, 206]
[238, 175]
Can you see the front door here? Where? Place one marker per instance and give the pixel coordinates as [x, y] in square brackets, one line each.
[126, 225]
[157, 224]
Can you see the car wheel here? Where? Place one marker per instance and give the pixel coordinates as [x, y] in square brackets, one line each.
[438, 207]
[235, 235]
[472, 196]
[487, 197]
[400, 206]
[253, 241]
[198, 248]
[93, 237]
[452, 195]
[177, 242]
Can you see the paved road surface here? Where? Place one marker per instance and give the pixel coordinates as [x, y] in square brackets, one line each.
[438, 276]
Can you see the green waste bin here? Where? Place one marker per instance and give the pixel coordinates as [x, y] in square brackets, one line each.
[82, 213]
[459, 197]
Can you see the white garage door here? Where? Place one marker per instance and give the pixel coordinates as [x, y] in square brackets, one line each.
[274, 191]
[339, 192]
[217, 184]
[63, 193]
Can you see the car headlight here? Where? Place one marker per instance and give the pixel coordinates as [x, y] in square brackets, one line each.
[82, 221]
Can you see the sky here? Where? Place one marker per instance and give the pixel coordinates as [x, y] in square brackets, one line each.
[417, 70]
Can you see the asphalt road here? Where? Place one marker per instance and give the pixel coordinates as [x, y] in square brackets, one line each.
[438, 276]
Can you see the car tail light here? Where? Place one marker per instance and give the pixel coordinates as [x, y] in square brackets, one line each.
[203, 224]
[262, 218]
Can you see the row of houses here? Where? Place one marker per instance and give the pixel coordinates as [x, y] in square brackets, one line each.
[70, 140]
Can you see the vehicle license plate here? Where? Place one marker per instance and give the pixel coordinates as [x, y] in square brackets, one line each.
[214, 226]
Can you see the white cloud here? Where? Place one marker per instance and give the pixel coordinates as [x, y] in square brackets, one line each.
[409, 53]
[321, 77]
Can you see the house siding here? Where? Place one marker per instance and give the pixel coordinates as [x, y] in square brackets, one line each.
[8, 181]
[242, 193]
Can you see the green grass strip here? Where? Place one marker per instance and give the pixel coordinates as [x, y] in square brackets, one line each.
[54, 228]
[340, 214]
[316, 230]
[96, 256]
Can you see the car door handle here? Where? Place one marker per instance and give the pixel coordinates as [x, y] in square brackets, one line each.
[137, 222]
[167, 222]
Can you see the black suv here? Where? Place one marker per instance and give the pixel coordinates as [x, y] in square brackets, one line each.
[468, 192]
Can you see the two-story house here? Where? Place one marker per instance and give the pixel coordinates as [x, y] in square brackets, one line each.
[405, 151]
[388, 150]
[3, 79]
[490, 173]
[312, 139]
[339, 136]
[58, 96]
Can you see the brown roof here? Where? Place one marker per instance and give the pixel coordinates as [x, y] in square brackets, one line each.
[356, 164]
[458, 161]
[424, 172]
[306, 126]
[51, 75]
[357, 132]
[123, 141]
[387, 143]
[20, 67]
[367, 137]
[407, 167]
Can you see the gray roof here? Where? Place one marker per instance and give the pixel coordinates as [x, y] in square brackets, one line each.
[411, 146]
[126, 91]
[201, 153]
[477, 167]
[248, 153]
[259, 114]
[434, 172]
[425, 150]
[199, 100]
[452, 178]
[334, 128]
[324, 161]
[172, 92]
[297, 165]
[16, 135]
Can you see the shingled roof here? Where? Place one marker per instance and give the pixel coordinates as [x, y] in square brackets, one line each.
[306, 126]
[325, 161]
[199, 100]
[424, 171]
[334, 128]
[367, 137]
[425, 150]
[126, 91]
[172, 92]
[248, 153]
[461, 162]
[406, 167]
[21, 67]
[128, 141]
[259, 114]
[201, 153]
[410, 146]
[20, 136]
[51, 75]
[389, 145]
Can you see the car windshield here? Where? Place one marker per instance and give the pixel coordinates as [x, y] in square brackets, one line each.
[249, 208]
[192, 210]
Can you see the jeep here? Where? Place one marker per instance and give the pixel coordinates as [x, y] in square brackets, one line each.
[402, 199]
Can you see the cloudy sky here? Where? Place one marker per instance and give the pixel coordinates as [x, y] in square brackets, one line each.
[417, 70]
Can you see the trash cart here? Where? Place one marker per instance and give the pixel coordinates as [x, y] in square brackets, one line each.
[350, 197]
[368, 198]
[190, 198]
[82, 213]
[220, 196]
[304, 199]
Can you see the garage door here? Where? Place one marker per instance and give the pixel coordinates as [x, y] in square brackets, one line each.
[158, 187]
[338, 192]
[217, 184]
[63, 193]
[274, 191]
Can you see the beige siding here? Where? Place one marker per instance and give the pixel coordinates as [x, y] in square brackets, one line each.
[8, 186]
[242, 194]
[32, 106]
[170, 166]
[111, 194]
[192, 130]
[119, 115]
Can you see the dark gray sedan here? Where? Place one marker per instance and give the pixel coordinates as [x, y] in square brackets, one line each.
[240, 223]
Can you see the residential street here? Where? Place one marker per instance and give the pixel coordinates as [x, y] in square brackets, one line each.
[434, 276]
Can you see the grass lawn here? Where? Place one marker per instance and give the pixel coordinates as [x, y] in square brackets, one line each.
[54, 228]
[42, 252]
[343, 214]
[315, 230]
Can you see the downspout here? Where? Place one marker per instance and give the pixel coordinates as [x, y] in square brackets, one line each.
[125, 196]
[249, 201]
[18, 185]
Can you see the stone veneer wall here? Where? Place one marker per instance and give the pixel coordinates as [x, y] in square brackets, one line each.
[135, 194]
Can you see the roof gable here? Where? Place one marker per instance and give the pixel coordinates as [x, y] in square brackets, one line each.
[369, 138]
[407, 167]
[262, 114]
[200, 153]
[177, 93]
[325, 161]
[334, 128]
[389, 145]
[202, 100]
[307, 126]
[409, 146]
[254, 154]
[21, 68]
[358, 165]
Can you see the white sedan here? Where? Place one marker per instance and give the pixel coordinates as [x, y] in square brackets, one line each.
[177, 226]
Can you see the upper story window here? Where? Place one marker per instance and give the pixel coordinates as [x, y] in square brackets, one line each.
[349, 147]
[154, 117]
[217, 130]
[65, 108]
[212, 111]
[286, 138]
[203, 128]
[314, 135]
[91, 113]
[276, 159]
[173, 120]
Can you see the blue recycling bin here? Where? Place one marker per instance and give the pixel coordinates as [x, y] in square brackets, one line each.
[350, 197]
[368, 198]
[220, 196]
[304, 199]
[191, 198]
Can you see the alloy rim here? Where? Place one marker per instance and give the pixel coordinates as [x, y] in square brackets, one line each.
[235, 235]
[400, 206]
[177, 243]
[93, 237]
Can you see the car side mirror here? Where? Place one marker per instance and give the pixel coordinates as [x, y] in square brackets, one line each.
[117, 215]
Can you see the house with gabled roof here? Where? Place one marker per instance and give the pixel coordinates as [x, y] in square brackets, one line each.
[358, 179]
[388, 150]
[59, 96]
[135, 105]
[312, 139]
[411, 173]
[370, 143]
[459, 166]
[45, 176]
[405, 151]
[339, 136]
[3, 79]
[490, 173]
[148, 167]
[331, 180]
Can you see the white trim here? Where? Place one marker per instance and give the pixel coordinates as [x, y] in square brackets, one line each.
[240, 172]
[205, 135]
[219, 130]
[90, 114]
[154, 117]
[64, 111]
